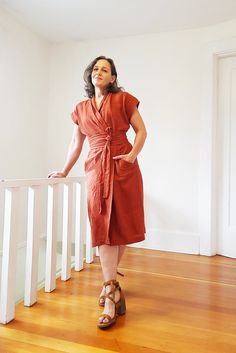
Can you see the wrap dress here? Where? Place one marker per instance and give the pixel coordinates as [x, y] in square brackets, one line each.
[114, 187]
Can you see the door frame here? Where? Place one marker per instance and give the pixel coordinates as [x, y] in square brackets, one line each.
[207, 169]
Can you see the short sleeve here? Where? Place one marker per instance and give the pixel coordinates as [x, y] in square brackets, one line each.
[75, 116]
[131, 103]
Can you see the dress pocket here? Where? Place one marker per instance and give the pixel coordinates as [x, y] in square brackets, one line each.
[124, 165]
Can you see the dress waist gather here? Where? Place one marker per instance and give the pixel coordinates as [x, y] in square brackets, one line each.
[107, 138]
[104, 141]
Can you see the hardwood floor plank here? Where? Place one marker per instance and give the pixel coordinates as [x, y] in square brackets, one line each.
[14, 346]
[49, 343]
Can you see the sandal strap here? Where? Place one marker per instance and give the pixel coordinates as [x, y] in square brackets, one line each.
[107, 296]
[111, 282]
[111, 295]
[120, 273]
[105, 316]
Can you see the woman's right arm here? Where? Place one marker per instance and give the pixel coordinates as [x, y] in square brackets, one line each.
[74, 151]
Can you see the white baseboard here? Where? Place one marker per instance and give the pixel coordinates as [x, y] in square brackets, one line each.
[182, 242]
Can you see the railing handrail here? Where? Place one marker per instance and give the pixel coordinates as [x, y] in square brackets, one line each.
[11, 183]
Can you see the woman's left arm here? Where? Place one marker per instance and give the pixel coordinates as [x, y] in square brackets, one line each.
[137, 124]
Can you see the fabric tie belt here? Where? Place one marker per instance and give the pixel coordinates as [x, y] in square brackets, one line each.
[105, 141]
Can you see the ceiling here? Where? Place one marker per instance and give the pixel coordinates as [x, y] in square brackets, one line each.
[62, 20]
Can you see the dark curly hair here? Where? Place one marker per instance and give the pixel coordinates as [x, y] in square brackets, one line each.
[89, 87]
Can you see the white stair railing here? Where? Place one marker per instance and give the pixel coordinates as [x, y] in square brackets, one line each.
[74, 217]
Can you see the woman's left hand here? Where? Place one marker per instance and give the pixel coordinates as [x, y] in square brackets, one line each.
[126, 157]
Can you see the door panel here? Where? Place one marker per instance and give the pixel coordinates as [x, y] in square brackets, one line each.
[226, 158]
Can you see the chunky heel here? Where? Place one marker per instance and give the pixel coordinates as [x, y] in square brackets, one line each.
[121, 309]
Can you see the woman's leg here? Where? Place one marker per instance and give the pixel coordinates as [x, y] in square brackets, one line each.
[121, 253]
[109, 260]
[121, 250]
[109, 257]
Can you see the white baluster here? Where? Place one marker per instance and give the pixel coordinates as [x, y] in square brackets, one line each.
[78, 235]
[51, 249]
[80, 225]
[8, 281]
[32, 251]
[97, 251]
[67, 230]
[89, 249]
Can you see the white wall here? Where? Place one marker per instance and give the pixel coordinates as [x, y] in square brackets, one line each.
[23, 119]
[23, 100]
[166, 72]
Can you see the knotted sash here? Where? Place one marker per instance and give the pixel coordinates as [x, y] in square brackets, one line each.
[104, 141]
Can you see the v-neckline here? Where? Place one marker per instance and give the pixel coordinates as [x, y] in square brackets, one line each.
[98, 108]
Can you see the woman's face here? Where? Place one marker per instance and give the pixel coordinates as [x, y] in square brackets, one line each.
[101, 74]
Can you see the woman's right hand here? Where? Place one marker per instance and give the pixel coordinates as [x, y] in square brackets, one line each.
[56, 175]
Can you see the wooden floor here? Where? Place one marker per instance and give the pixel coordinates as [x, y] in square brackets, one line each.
[176, 303]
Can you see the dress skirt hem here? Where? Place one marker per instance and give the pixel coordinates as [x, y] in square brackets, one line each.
[138, 239]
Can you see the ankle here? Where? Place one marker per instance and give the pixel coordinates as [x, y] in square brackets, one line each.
[111, 282]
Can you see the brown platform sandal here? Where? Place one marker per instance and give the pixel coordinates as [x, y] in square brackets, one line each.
[120, 307]
[101, 300]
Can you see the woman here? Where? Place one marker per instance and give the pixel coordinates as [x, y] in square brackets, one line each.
[114, 181]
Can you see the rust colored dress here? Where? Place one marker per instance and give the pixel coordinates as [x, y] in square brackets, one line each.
[114, 187]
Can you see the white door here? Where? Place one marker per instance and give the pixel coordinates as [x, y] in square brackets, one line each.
[226, 158]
